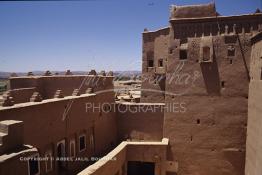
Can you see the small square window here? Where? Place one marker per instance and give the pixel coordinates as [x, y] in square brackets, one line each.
[160, 63]
[183, 54]
[230, 51]
[198, 121]
[82, 143]
[150, 63]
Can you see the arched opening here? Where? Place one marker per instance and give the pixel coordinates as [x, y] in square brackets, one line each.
[61, 154]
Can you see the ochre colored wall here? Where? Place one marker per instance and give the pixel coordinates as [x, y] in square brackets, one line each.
[22, 95]
[155, 46]
[135, 124]
[254, 129]
[209, 136]
[15, 166]
[47, 85]
[44, 127]
[116, 161]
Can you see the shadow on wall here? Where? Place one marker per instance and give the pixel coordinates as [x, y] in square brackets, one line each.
[210, 74]
[162, 83]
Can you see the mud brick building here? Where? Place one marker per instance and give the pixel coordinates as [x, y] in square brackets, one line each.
[55, 121]
[200, 62]
[254, 130]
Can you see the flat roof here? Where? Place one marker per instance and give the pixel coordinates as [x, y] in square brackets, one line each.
[57, 76]
[158, 30]
[217, 17]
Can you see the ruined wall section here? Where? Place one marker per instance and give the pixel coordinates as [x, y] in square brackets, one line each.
[47, 86]
[22, 95]
[155, 52]
[68, 84]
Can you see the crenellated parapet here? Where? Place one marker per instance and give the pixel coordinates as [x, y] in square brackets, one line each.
[92, 72]
[218, 25]
[68, 72]
[102, 73]
[7, 99]
[36, 97]
[59, 94]
[35, 88]
[76, 92]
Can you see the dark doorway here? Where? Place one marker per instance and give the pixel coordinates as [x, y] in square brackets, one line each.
[140, 168]
[33, 166]
[61, 154]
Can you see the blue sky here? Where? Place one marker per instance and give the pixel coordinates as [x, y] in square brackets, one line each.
[84, 35]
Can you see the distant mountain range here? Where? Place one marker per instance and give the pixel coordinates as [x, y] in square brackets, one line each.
[4, 75]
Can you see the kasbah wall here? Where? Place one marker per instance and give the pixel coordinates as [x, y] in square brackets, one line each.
[206, 60]
[65, 118]
[58, 109]
[254, 130]
[200, 61]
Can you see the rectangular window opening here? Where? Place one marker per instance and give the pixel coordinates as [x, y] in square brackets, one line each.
[223, 84]
[160, 63]
[231, 51]
[82, 143]
[150, 63]
[206, 53]
[170, 51]
[183, 54]
[261, 74]
[33, 165]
